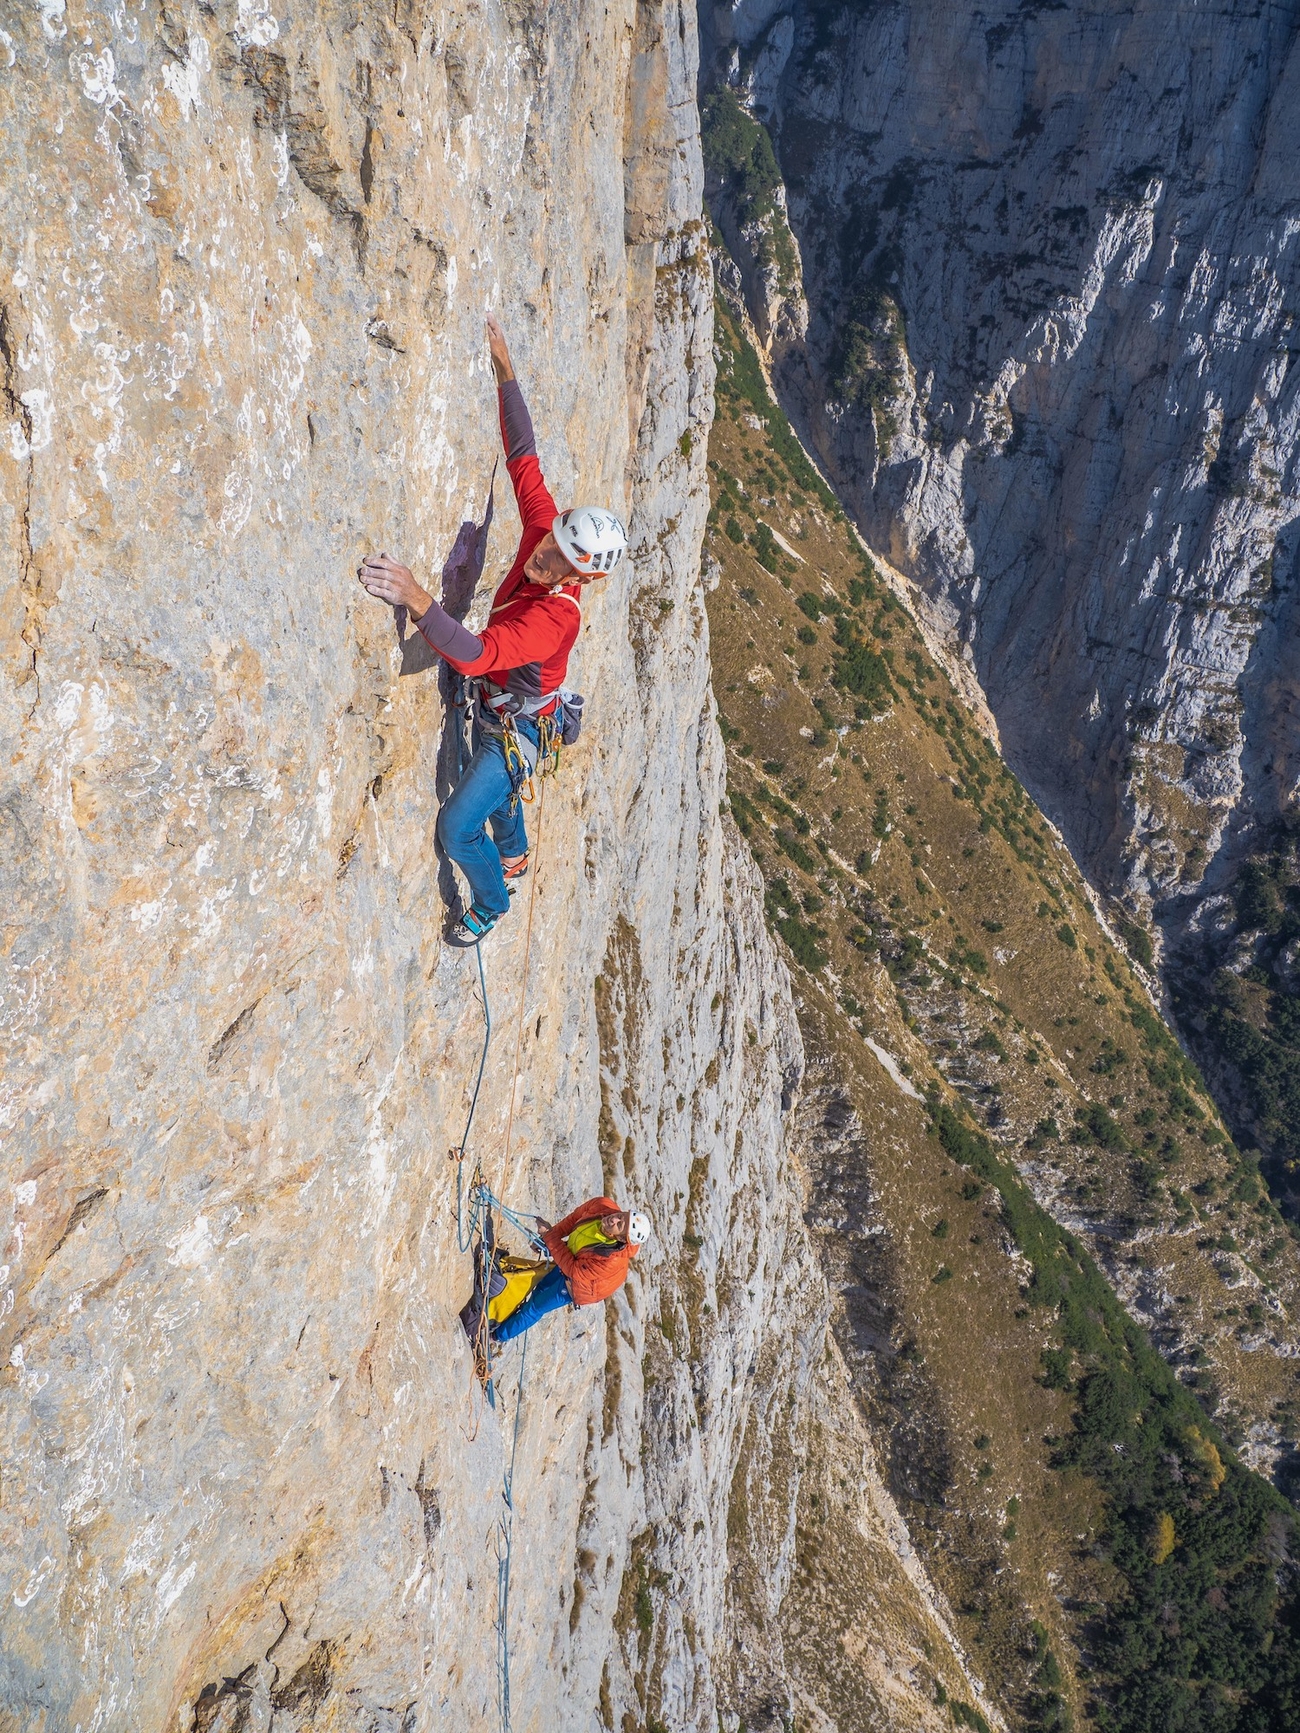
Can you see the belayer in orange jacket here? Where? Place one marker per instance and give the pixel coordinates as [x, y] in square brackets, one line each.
[593, 1248]
[517, 662]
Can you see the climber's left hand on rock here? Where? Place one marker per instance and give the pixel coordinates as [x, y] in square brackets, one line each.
[389, 581]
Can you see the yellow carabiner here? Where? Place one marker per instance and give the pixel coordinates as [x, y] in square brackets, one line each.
[514, 757]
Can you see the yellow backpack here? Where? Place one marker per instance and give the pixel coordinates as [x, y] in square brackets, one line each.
[522, 1276]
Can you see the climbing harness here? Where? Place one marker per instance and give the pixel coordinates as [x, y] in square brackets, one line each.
[528, 764]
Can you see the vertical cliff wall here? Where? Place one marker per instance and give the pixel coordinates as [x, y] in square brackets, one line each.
[247, 1478]
[1049, 254]
[247, 258]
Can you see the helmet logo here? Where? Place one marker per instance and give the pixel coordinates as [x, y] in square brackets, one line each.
[590, 539]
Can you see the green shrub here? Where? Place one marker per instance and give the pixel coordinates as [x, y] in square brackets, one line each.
[964, 956]
[743, 811]
[1045, 1132]
[1056, 1368]
[1095, 1124]
[791, 846]
[766, 551]
[867, 365]
[965, 1716]
[858, 668]
[866, 588]
[804, 939]
[909, 954]
[1110, 1058]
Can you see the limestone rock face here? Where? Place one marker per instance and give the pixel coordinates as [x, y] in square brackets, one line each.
[248, 1478]
[1050, 257]
[247, 258]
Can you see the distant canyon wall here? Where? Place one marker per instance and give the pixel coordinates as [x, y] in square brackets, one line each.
[1049, 255]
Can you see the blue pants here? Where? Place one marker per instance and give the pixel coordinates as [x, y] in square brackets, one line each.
[549, 1295]
[484, 793]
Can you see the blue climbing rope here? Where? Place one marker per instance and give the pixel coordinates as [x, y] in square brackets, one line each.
[480, 1197]
[505, 1542]
[516, 1220]
[487, 1036]
[469, 1226]
[465, 1231]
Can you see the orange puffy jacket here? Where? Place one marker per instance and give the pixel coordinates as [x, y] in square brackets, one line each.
[597, 1271]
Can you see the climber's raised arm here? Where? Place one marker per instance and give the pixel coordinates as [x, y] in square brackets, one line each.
[498, 349]
[533, 497]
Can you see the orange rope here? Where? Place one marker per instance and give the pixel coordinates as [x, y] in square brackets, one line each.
[523, 979]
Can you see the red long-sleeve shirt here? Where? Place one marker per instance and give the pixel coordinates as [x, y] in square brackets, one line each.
[524, 648]
[596, 1272]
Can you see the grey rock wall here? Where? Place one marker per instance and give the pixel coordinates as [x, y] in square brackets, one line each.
[248, 1482]
[247, 256]
[1049, 253]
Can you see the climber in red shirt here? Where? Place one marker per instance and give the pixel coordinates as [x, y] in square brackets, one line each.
[517, 663]
[593, 1248]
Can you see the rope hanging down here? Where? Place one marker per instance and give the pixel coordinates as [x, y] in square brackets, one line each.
[464, 1237]
[505, 1541]
[470, 1227]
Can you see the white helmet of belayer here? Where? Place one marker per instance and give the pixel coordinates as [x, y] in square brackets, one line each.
[590, 539]
[638, 1229]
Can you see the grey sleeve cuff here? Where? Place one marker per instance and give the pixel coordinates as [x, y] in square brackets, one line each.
[447, 636]
[516, 423]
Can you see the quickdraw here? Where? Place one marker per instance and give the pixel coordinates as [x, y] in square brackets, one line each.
[531, 771]
[518, 767]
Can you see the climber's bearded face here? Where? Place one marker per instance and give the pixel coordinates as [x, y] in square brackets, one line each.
[614, 1226]
[547, 566]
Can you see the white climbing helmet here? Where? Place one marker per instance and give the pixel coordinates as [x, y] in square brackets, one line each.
[590, 539]
[638, 1229]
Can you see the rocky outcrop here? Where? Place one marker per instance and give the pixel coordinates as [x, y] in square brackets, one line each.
[249, 1480]
[1049, 255]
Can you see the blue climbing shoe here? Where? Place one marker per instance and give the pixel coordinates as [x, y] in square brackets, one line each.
[472, 927]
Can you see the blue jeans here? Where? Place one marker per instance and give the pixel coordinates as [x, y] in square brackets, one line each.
[549, 1295]
[484, 793]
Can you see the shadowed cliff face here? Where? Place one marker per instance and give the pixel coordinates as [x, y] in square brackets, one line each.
[1049, 259]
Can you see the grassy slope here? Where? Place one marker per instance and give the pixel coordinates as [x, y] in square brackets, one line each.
[932, 913]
